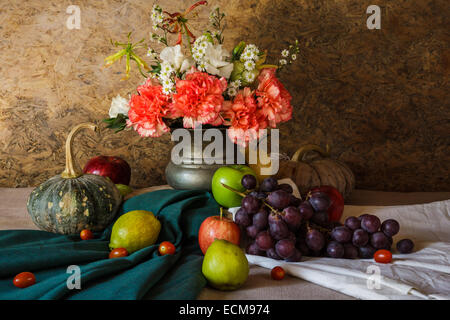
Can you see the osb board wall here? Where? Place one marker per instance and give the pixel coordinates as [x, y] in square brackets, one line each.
[379, 98]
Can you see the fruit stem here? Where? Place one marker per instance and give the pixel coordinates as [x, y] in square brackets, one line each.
[221, 213]
[234, 190]
[72, 170]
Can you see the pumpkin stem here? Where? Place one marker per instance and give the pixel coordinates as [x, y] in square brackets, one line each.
[72, 170]
[298, 155]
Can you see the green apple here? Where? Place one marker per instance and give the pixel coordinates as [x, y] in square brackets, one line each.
[225, 265]
[231, 176]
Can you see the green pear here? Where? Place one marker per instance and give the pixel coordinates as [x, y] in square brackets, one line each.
[225, 265]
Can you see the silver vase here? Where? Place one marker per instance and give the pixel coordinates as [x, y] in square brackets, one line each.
[195, 172]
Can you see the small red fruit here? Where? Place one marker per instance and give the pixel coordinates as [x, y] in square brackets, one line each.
[277, 273]
[383, 256]
[218, 227]
[86, 234]
[118, 253]
[166, 247]
[24, 279]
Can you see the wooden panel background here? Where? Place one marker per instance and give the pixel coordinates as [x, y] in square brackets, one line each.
[380, 98]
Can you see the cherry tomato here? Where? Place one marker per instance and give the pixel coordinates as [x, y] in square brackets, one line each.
[24, 279]
[166, 247]
[277, 273]
[383, 256]
[86, 234]
[118, 253]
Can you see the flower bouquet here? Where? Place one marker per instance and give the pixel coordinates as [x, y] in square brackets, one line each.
[197, 81]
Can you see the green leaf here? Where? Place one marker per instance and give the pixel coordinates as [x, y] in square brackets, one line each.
[119, 123]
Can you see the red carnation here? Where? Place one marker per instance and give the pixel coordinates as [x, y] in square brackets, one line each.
[274, 100]
[198, 99]
[147, 110]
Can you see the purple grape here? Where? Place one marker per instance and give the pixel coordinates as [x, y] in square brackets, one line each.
[252, 231]
[389, 245]
[350, 251]
[362, 216]
[278, 228]
[378, 240]
[250, 204]
[352, 223]
[295, 202]
[292, 217]
[295, 257]
[341, 234]
[269, 184]
[370, 223]
[320, 218]
[285, 187]
[366, 252]
[390, 227]
[285, 248]
[260, 219]
[360, 238]
[258, 195]
[279, 199]
[335, 249]
[335, 224]
[242, 218]
[315, 240]
[306, 210]
[249, 181]
[320, 201]
[271, 253]
[405, 246]
[254, 249]
[264, 240]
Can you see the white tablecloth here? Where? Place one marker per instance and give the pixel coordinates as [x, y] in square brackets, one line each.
[423, 274]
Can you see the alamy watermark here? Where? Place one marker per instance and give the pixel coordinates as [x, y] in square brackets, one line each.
[191, 149]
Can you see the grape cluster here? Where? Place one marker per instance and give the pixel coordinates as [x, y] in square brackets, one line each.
[284, 227]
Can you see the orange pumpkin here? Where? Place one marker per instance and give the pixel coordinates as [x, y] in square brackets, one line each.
[311, 166]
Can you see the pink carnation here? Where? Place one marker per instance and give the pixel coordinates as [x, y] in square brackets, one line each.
[147, 110]
[274, 100]
[240, 114]
[198, 99]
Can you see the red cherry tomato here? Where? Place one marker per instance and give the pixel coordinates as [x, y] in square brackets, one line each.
[24, 279]
[118, 253]
[166, 247]
[277, 273]
[86, 234]
[383, 256]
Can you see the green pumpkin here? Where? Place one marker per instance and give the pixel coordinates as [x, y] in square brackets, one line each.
[73, 201]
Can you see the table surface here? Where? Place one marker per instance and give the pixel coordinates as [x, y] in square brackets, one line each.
[259, 286]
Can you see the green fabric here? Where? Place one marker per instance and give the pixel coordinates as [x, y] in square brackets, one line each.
[143, 274]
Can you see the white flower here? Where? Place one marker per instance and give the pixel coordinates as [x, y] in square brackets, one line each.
[249, 65]
[283, 62]
[215, 62]
[232, 91]
[235, 84]
[249, 77]
[248, 55]
[285, 53]
[119, 105]
[166, 90]
[174, 57]
[294, 57]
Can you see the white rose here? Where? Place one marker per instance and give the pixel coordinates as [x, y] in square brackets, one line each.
[119, 105]
[176, 58]
[215, 61]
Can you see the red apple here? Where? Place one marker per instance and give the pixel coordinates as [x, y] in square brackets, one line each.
[115, 168]
[217, 227]
[337, 202]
